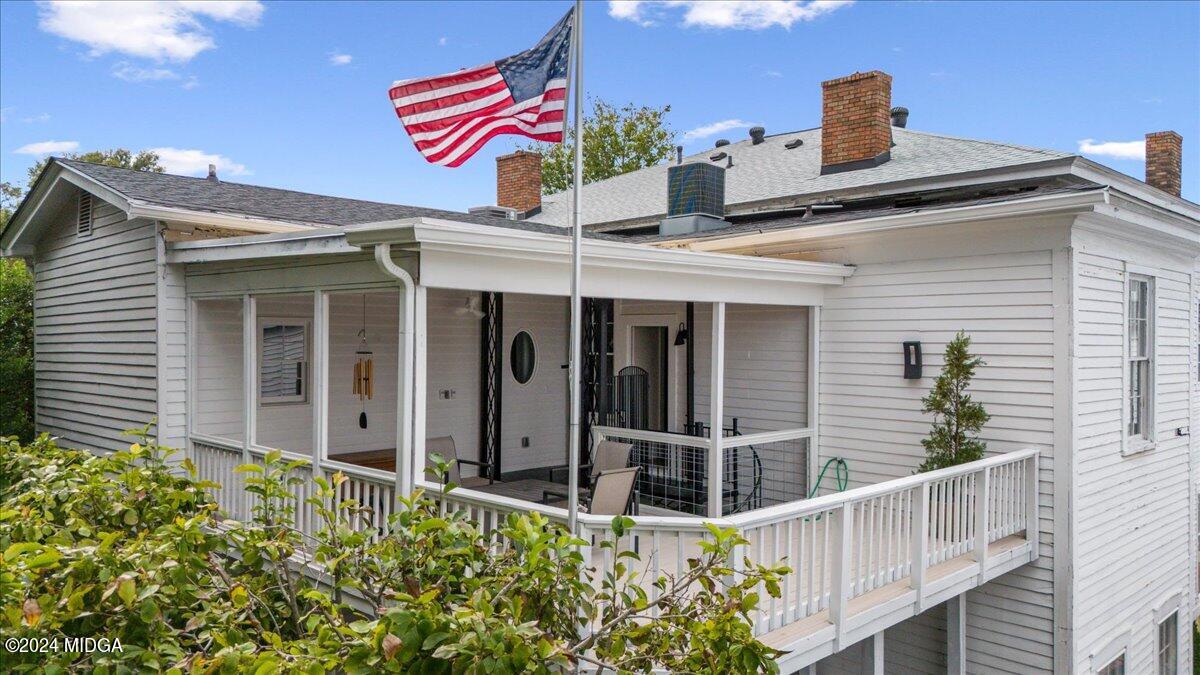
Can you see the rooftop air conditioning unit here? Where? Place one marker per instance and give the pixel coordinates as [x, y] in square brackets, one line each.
[695, 198]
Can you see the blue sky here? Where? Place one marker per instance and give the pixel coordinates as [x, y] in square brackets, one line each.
[294, 94]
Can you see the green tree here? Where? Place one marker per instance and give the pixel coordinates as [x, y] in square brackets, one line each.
[615, 141]
[16, 349]
[125, 546]
[954, 438]
[144, 160]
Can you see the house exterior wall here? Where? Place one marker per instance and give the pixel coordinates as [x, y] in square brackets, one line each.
[1134, 553]
[536, 410]
[998, 284]
[95, 322]
[915, 646]
[453, 359]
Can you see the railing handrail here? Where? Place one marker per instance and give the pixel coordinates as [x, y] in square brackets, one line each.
[766, 437]
[653, 436]
[837, 499]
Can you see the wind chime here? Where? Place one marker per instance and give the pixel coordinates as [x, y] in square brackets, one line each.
[364, 369]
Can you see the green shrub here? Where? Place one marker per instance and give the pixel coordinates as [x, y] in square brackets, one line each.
[954, 436]
[16, 349]
[122, 547]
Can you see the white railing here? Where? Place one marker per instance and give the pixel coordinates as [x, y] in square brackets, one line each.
[898, 534]
[217, 460]
[757, 470]
[842, 546]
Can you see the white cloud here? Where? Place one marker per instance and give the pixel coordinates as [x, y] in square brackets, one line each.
[134, 73]
[337, 59]
[44, 117]
[191, 83]
[715, 128]
[154, 29]
[1114, 149]
[195, 162]
[738, 14]
[772, 73]
[442, 41]
[47, 148]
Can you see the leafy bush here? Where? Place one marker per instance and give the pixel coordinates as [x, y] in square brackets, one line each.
[16, 349]
[123, 547]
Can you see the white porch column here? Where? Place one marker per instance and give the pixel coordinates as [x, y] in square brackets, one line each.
[249, 372]
[814, 394]
[249, 380]
[320, 381]
[716, 414]
[956, 635]
[420, 316]
[872, 661]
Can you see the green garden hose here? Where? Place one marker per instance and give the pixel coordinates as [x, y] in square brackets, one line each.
[841, 474]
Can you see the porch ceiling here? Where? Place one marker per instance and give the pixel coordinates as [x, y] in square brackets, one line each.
[468, 256]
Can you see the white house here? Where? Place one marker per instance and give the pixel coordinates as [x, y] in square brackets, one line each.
[798, 288]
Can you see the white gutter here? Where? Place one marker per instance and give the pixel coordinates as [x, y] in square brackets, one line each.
[406, 371]
[228, 221]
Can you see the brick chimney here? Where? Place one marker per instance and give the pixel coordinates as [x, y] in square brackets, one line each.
[519, 181]
[1164, 161]
[856, 122]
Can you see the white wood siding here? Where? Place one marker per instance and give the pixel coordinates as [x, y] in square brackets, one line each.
[453, 365]
[95, 313]
[911, 647]
[219, 407]
[766, 366]
[996, 284]
[537, 409]
[1132, 547]
[172, 353]
[383, 326]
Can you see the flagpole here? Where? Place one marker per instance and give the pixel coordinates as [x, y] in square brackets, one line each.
[576, 273]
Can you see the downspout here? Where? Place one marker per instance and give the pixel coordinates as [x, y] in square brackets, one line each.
[407, 370]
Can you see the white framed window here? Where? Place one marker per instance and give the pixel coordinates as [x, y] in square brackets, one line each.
[283, 353]
[1139, 364]
[1167, 647]
[1114, 667]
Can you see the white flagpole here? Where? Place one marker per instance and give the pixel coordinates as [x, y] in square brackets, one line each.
[575, 367]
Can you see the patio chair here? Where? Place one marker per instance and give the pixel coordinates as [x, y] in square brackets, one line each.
[612, 493]
[606, 456]
[444, 446]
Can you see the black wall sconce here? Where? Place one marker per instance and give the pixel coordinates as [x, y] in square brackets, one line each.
[912, 360]
[681, 336]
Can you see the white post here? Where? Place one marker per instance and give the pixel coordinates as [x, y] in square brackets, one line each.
[814, 394]
[920, 543]
[320, 382]
[1032, 525]
[414, 467]
[190, 388]
[841, 522]
[983, 481]
[716, 414]
[956, 635]
[249, 386]
[574, 365]
[872, 661]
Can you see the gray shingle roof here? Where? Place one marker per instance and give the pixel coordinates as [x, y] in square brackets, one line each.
[768, 171]
[199, 194]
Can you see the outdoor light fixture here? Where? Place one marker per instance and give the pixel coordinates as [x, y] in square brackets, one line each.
[681, 336]
[912, 360]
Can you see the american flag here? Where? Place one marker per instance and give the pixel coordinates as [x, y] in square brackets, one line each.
[450, 117]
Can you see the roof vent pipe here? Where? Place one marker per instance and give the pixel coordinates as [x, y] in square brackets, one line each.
[757, 135]
[720, 142]
[679, 154]
[900, 116]
[212, 173]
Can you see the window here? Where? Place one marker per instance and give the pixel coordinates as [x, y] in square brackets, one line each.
[1140, 356]
[283, 360]
[1168, 644]
[1114, 667]
[83, 226]
[522, 357]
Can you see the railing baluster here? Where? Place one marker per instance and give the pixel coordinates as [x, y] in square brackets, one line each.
[920, 541]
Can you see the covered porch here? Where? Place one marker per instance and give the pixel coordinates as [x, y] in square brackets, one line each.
[364, 351]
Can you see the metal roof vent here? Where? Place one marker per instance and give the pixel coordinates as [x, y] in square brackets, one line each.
[757, 135]
[212, 173]
[495, 212]
[720, 142]
[695, 198]
[900, 116]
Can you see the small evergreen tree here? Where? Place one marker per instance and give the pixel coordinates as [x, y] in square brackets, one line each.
[954, 438]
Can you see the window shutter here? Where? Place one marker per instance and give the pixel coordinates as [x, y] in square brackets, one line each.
[84, 225]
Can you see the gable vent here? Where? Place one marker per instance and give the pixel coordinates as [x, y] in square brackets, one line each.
[84, 225]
